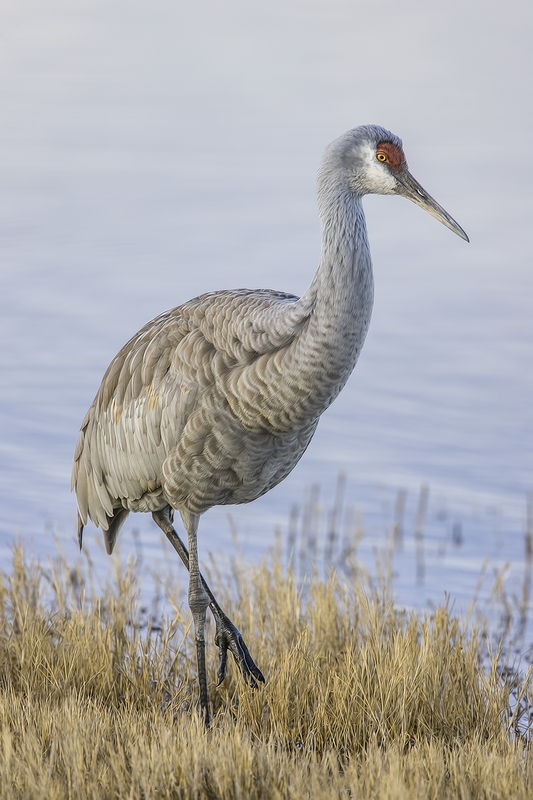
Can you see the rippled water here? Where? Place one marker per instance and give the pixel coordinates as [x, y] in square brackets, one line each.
[151, 152]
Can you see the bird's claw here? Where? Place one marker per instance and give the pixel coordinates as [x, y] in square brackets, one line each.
[228, 637]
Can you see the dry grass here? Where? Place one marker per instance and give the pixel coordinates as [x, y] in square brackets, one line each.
[361, 700]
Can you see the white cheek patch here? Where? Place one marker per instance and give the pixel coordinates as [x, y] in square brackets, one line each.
[378, 178]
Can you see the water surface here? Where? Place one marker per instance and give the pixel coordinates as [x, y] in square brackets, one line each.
[153, 152]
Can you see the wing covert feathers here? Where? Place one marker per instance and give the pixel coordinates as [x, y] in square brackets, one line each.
[164, 399]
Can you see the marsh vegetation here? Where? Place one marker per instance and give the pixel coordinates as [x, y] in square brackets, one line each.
[98, 693]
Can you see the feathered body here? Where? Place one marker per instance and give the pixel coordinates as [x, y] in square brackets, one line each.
[215, 401]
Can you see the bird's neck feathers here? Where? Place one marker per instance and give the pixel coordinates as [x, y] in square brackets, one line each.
[338, 303]
[345, 266]
[341, 293]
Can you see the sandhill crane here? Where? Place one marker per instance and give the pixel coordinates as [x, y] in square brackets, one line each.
[215, 401]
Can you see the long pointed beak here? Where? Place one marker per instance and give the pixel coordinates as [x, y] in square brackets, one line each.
[410, 188]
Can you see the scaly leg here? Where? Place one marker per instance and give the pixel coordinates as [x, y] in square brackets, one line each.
[227, 635]
[198, 602]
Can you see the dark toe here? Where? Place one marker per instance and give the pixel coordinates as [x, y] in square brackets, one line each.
[229, 638]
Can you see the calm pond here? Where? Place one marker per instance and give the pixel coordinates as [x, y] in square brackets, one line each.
[150, 152]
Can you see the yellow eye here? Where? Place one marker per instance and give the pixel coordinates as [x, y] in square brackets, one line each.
[381, 156]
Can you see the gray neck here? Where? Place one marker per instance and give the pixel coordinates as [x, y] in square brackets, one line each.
[338, 304]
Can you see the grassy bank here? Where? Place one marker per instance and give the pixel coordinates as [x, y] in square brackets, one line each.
[98, 696]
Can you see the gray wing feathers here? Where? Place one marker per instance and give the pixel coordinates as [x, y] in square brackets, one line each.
[155, 383]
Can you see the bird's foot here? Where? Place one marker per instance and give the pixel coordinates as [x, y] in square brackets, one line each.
[228, 637]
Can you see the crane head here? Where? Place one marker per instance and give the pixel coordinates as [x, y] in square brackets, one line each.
[392, 158]
[373, 162]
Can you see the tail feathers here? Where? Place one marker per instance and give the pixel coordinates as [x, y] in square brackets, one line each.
[115, 524]
[110, 535]
[80, 531]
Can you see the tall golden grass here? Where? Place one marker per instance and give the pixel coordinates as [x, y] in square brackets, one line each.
[362, 700]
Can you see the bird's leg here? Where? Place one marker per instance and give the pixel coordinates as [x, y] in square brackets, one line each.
[198, 602]
[227, 636]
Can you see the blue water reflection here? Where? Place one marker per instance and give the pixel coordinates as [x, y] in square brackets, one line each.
[151, 153]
